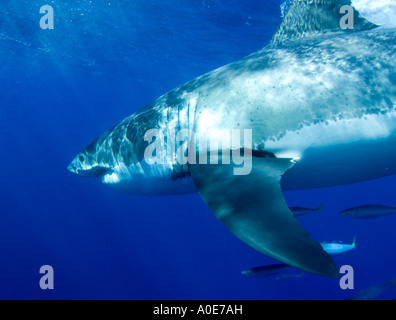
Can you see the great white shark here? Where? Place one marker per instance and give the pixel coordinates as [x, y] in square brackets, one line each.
[320, 103]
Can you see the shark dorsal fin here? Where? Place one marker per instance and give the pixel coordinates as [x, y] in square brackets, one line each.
[305, 18]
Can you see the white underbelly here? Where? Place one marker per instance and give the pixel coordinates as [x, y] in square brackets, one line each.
[339, 152]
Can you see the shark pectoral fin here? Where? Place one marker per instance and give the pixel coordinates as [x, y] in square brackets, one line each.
[253, 208]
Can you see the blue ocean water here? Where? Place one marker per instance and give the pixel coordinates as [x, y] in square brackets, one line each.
[62, 88]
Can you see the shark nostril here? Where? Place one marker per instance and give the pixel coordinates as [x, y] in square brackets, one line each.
[81, 158]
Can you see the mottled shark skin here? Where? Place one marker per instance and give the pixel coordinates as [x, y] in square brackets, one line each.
[320, 102]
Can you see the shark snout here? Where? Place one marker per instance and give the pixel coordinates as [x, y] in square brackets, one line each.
[83, 167]
[72, 168]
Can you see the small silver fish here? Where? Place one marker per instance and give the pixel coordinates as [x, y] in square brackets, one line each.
[374, 291]
[368, 211]
[336, 248]
[299, 211]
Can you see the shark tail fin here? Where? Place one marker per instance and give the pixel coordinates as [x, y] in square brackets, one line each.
[320, 207]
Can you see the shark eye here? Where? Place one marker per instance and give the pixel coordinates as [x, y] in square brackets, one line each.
[81, 158]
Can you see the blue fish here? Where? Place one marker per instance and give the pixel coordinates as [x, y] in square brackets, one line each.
[290, 276]
[265, 271]
[299, 211]
[374, 291]
[368, 211]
